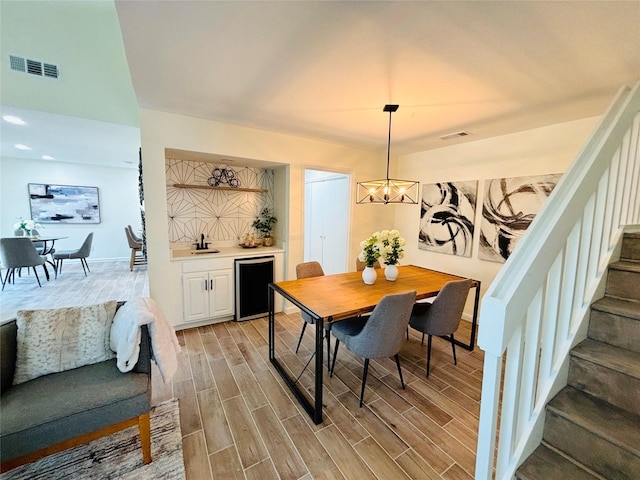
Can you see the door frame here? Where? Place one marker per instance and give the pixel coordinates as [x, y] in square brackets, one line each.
[336, 172]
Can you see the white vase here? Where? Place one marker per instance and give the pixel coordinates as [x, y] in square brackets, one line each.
[391, 272]
[369, 275]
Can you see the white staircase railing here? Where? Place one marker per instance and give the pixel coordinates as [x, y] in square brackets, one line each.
[532, 313]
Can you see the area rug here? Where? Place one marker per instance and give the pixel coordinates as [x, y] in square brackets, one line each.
[117, 456]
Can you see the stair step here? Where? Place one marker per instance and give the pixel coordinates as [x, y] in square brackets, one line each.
[624, 280]
[617, 322]
[604, 438]
[631, 246]
[618, 306]
[607, 372]
[545, 464]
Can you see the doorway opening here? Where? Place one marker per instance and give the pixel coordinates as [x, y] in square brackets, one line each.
[326, 219]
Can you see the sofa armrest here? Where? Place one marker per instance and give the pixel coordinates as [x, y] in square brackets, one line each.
[144, 357]
[8, 350]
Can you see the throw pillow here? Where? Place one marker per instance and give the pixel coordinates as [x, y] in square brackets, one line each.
[59, 339]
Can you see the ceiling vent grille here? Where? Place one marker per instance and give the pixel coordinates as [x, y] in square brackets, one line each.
[449, 136]
[34, 67]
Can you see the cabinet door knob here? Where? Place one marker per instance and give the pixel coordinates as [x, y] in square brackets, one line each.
[211, 285]
[206, 284]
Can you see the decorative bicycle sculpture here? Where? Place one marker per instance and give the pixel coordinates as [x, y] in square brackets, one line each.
[221, 176]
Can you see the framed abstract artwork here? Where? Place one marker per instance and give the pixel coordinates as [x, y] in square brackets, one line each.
[64, 203]
[509, 207]
[447, 214]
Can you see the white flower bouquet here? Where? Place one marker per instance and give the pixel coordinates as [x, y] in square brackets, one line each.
[392, 246]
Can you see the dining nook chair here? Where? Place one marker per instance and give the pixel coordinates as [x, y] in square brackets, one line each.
[135, 244]
[442, 316]
[360, 265]
[308, 270]
[380, 335]
[17, 253]
[81, 253]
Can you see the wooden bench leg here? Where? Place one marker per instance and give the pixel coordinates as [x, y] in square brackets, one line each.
[144, 424]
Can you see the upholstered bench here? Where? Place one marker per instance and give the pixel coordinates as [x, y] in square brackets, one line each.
[56, 411]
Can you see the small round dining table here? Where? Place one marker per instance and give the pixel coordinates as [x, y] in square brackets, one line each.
[48, 243]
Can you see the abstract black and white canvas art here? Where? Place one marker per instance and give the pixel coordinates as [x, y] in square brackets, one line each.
[447, 214]
[509, 207]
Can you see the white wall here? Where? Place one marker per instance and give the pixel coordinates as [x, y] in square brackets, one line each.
[543, 150]
[548, 149]
[118, 192]
[160, 130]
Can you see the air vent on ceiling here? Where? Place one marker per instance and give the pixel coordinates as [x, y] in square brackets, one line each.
[34, 67]
[449, 136]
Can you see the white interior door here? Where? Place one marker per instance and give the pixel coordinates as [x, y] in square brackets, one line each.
[327, 220]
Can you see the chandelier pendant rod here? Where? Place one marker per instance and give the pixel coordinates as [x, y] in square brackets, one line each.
[389, 146]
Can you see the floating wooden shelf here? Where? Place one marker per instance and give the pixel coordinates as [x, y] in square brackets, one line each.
[208, 187]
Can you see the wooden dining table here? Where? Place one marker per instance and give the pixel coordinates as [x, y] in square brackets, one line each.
[331, 298]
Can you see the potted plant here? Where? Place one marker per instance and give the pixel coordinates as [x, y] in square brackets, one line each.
[392, 251]
[26, 228]
[370, 253]
[264, 224]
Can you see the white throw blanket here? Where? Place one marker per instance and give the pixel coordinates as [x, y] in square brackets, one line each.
[125, 336]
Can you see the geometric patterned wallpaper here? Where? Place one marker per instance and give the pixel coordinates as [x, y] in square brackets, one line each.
[219, 214]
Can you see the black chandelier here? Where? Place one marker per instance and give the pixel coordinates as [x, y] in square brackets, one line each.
[388, 190]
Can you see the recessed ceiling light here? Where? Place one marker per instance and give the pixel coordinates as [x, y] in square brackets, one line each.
[47, 157]
[20, 146]
[13, 119]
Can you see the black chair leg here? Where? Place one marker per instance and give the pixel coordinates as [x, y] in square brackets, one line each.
[60, 265]
[86, 265]
[422, 341]
[397, 357]
[364, 379]
[37, 278]
[335, 355]
[428, 355]
[83, 268]
[328, 335]
[4, 281]
[304, 326]
[46, 271]
[453, 347]
[407, 333]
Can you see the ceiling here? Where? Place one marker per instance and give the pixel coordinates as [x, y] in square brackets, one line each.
[325, 69]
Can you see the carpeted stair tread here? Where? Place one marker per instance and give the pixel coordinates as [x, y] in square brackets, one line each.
[631, 247]
[603, 354]
[618, 306]
[626, 265]
[545, 464]
[614, 424]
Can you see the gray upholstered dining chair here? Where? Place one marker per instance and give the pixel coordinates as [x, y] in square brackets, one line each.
[82, 253]
[442, 317]
[133, 234]
[17, 253]
[135, 244]
[308, 270]
[379, 335]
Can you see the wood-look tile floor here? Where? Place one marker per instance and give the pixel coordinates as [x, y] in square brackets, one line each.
[239, 421]
[105, 281]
